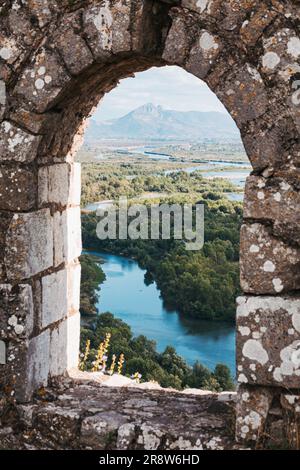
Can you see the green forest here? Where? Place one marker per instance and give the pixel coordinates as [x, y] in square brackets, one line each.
[199, 284]
[138, 180]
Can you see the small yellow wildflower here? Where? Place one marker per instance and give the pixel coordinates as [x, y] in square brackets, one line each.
[99, 358]
[82, 364]
[113, 365]
[121, 363]
[137, 377]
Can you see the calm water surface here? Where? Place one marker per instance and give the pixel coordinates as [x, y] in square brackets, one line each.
[125, 294]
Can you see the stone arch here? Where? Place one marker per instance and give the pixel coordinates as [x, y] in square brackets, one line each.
[56, 61]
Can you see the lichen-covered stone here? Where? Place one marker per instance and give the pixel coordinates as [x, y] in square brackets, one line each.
[291, 405]
[43, 10]
[16, 144]
[42, 80]
[244, 94]
[281, 54]
[11, 51]
[96, 430]
[253, 406]
[276, 200]
[177, 42]
[203, 54]
[29, 244]
[267, 264]
[16, 312]
[291, 402]
[106, 28]
[253, 29]
[88, 416]
[268, 341]
[16, 188]
[31, 356]
[65, 421]
[267, 145]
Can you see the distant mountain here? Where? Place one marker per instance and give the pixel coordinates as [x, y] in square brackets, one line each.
[154, 122]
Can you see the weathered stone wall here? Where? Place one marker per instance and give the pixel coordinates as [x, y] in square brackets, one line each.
[57, 59]
[77, 414]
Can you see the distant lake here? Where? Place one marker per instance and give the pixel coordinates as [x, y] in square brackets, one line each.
[125, 294]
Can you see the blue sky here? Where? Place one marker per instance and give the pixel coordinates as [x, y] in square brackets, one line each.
[170, 87]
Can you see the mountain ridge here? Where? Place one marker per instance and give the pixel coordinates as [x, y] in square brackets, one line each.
[151, 121]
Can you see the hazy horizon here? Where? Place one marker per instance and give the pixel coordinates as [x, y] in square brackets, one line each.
[170, 87]
[156, 105]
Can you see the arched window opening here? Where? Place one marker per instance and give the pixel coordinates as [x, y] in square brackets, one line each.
[162, 137]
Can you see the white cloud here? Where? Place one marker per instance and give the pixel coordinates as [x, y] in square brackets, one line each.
[171, 87]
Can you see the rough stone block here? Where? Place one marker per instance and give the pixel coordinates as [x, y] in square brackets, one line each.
[274, 200]
[244, 95]
[268, 341]
[11, 51]
[32, 121]
[29, 245]
[281, 52]
[230, 14]
[203, 54]
[60, 184]
[65, 421]
[291, 402]
[43, 10]
[95, 430]
[42, 80]
[266, 145]
[16, 312]
[38, 361]
[64, 348]
[54, 298]
[67, 235]
[16, 144]
[253, 28]
[268, 265]
[291, 406]
[27, 367]
[107, 28]
[17, 188]
[177, 42]
[200, 6]
[60, 295]
[253, 406]
[77, 56]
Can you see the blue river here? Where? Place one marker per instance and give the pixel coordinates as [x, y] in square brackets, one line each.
[125, 294]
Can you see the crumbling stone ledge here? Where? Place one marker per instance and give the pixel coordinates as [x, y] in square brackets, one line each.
[76, 414]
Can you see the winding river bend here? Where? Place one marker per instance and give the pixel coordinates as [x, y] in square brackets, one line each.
[125, 294]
